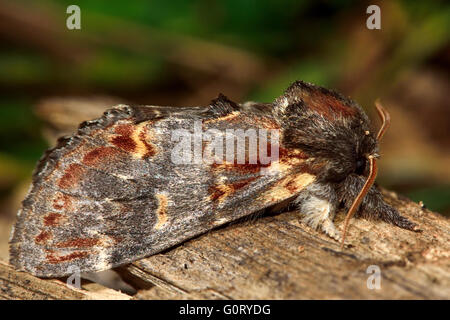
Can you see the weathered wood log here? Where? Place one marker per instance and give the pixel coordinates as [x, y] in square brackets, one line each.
[23, 286]
[278, 257]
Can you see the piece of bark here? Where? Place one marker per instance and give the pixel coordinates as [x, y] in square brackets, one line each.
[278, 257]
[16, 285]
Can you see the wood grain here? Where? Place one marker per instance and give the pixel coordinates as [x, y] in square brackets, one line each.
[278, 257]
[22, 286]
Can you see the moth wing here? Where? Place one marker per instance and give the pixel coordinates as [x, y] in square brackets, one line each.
[111, 193]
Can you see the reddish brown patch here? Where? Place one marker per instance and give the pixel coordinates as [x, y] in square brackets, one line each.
[286, 154]
[124, 143]
[124, 129]
[78, 243]
[216, 192]
[117, 239]
[327, 105]
[71, 176]
[246, 167]
[150, 149]
[240, 184]
[62, 201]
[266, 123]
[53, 259]
[291, 187]
[99, 154]
[43, 237]
[52, 219]
[243, 168]
[124, 140]
[219, 191]
[249, 167]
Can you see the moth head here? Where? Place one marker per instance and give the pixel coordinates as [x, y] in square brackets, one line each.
[327, 126]
[372, 168]
[333, 130]
[369, 148]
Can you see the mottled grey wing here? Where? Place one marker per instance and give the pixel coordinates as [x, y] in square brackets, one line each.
[111, 193]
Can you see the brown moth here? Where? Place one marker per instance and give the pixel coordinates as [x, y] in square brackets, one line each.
[142, 179]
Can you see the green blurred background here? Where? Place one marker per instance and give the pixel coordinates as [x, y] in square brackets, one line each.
[186, 52]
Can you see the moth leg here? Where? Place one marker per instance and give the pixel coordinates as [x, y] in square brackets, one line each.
[318, 206]
[372, 206]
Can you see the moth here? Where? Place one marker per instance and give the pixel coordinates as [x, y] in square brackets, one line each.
[114, 192]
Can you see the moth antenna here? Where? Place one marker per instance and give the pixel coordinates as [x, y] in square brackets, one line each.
[385, 119]
[367, 185]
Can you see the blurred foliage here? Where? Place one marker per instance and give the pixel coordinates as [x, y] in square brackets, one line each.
[186, 52]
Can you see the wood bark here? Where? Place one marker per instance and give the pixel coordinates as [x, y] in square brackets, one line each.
[278, 257]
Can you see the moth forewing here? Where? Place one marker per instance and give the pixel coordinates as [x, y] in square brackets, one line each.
[142, 179]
